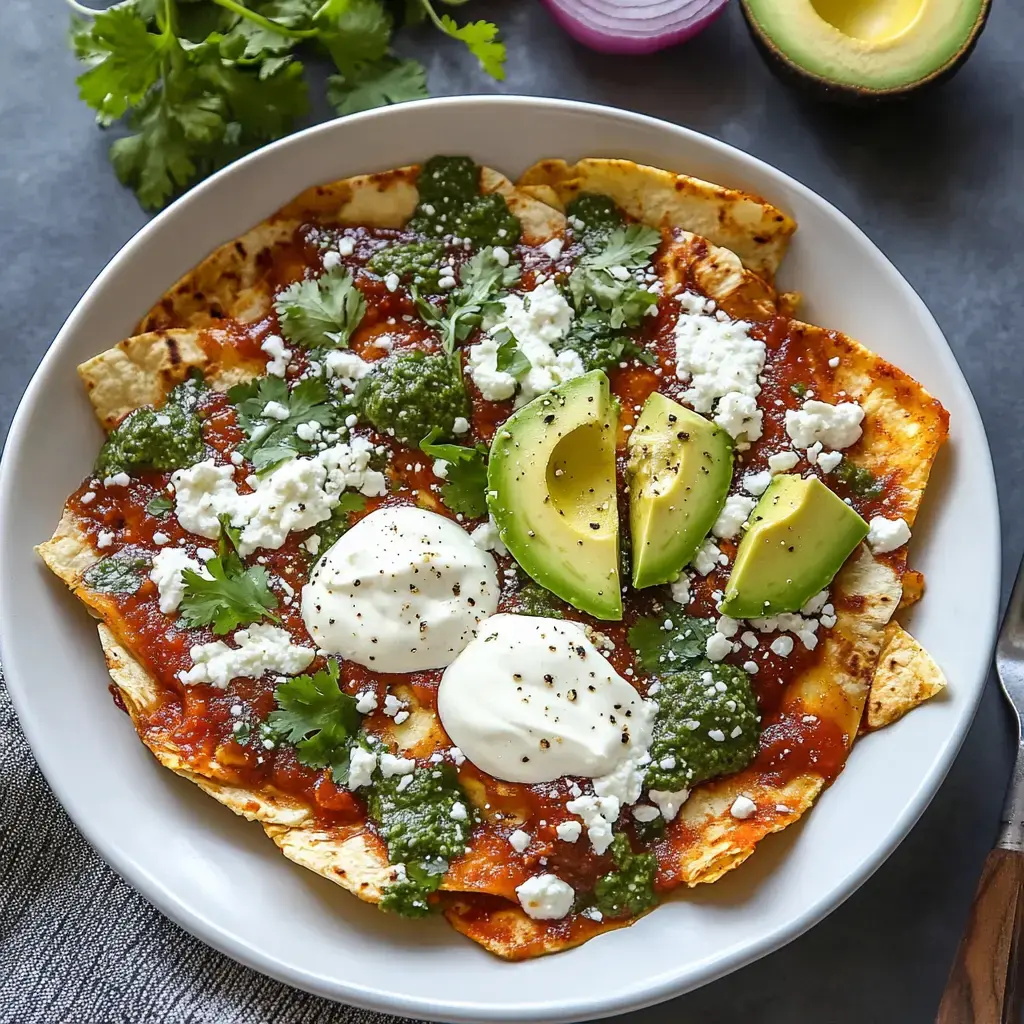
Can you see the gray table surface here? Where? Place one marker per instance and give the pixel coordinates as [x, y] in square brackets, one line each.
[935, 182]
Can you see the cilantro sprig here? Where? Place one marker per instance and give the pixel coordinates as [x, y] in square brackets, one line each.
[465, 489]
[324, 311]
[319, 719]
[481, 280]
[660, 646]
[272, 439]
[605, 279]
[229, 595]
[200, 82]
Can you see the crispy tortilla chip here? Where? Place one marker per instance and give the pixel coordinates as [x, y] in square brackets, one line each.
[143, 369]
[906, 676]
[231, 283]
[913, 588]
[757, 232]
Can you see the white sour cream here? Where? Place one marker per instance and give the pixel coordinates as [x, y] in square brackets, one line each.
[532, 699]
[403, 590]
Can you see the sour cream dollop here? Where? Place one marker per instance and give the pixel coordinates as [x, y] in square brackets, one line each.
[532, 699]
[403, 590]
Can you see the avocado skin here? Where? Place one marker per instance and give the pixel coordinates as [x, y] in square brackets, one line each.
[800, 78]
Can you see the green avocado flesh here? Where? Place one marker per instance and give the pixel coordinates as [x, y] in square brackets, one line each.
[551, 490]
[868, 45]
[800, 535]
[680, 467]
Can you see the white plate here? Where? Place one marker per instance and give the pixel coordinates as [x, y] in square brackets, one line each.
[217, 875]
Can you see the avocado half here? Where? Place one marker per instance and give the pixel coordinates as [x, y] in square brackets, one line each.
[865, 50]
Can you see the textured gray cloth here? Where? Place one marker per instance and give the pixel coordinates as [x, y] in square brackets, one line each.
[136, 966]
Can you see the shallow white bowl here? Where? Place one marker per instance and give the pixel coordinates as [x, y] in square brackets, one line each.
[217, 875]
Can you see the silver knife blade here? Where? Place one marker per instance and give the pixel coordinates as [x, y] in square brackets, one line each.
[1010, 669]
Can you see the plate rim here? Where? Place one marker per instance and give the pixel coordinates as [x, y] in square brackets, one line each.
[650, 990]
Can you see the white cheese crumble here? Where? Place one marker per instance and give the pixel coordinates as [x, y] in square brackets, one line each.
[392, 765]
[519, 840]
[805, 629]
[121, 479]
[835, 426]
[827, 461]
[537, 321]
[707, 557]
[732, 517]
[887, 534]
[276, 411]
[261, 648]
[345, 367]
[104, 539]
[782, 646]
[757, 483]
[546, 897]
[361, 764]
[280, 356]
[568, 831]
[717, 646]
[295, 495]
[669, 801]
[461, 425]
[552, 248]
[742, 807]
[486, 536]
[167, 575]
[680, 588]
[346, 245]
[722, 363]
[366, 702]
[782, 462]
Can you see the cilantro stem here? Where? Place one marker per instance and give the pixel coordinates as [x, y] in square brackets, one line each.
[432, 14]
[266, 23]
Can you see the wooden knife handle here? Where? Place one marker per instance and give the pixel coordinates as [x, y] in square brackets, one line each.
[985, 984]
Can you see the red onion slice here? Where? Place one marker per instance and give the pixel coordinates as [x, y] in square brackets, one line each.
[633, 26]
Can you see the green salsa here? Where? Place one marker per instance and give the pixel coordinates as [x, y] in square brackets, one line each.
[408, 394]
[629, 890]
[421, 829]
[163, 439]
[707, 725]
[451, 204]
[857, 480]
[599, 216]
[599, 345]
[417, 263]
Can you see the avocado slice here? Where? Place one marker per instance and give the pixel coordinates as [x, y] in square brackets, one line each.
[551, 490]
[800, 535]
[680, 468]
[865, 49]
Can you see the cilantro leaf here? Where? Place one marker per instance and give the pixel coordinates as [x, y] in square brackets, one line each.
[660, 648]
[481, 39]
[319, 718]
[389, 80]
[229, 595]
[271, 438]
[605, 279]
[482, 278]
[511, 358]
[465, 489]
[122, 573]
[354, 32]
[324, 311]
[126, 58]
[159, 505]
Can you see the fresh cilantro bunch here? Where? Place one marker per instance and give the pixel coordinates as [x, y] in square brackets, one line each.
[605, 279]
[319, 719]
[200, 82]
[465, 490]
[229, 595]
